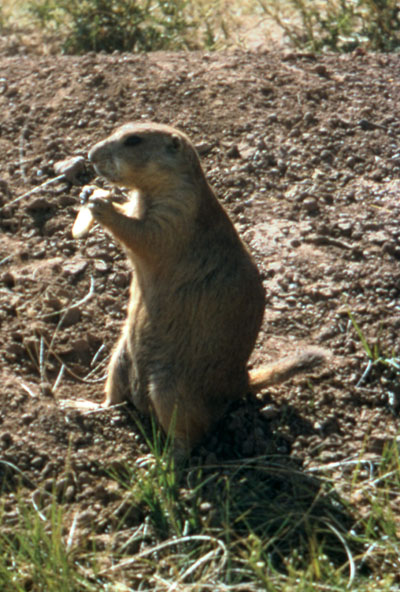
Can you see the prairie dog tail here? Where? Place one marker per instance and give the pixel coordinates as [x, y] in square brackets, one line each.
[286, 368]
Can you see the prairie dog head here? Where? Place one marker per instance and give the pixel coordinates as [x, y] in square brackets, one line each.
[146, 156]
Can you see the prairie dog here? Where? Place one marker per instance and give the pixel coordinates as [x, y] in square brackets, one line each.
[196, 300]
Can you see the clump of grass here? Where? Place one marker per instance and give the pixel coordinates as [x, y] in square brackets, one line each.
[34, 555]
[257, 523]
[338, 25]
[133, 25]
[260, 524]
[376, 358]
[94, 25]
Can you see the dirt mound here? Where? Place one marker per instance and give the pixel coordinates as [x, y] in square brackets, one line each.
[304, 153]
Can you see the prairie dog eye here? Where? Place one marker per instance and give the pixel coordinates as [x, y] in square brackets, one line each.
[132, 140]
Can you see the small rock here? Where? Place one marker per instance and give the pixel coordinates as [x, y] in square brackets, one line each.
[4, 188]
[245, 151]
[71, 317]
[269, 411]
[345, 228]
[48, 485]
[309, 118]
[6, 439]
[80, 346]
[87, 517]
[321, 70]
[75, 268]
[367, 125]
[27, 418]
[233, 152]
[378, 238]
[204, 148]
[3, 86]
[310, 204]
[120, 279]
[327, 155]
[61, 486]
[8, 279]
[350, 162]
[71, 168]
[205, 507]
[49, 469]
[38, 462]
[38, 204]
[69, 494]
[101, 266]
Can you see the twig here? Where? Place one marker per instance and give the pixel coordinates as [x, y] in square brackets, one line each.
[42, 370]
[73, 305]
[200, 562]
[6, 259]
[73, 374]
[34, 190]
[96, 368]
[96, 355]
[352, 567]
[3, 85]
[28, 390]
[22, 152]
[101, 409]
[59, 378]
[166, 544]
[365, 373]
[327, 240]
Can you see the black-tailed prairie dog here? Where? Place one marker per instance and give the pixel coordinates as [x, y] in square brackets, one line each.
[196, 301]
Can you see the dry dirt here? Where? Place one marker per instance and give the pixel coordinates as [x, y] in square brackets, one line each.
[303, 152]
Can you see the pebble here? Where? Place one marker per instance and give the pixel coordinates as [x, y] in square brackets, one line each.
[40, 203]
[310, 204]
[233, 151]
[71, 317]
[69, 494]
[269, 411]
[101, 266]
[75, 268]
[6, 439]
[4, 189]
[38, 462]
[309, 117]
[321, 70]
[8, 279]
[71, 168]
[87, 517]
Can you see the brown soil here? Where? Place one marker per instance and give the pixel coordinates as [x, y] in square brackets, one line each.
[304, 153]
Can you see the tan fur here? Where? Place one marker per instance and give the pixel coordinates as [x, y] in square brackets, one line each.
[196, 301]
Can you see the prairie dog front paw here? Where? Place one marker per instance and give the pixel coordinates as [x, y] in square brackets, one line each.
[99, 205]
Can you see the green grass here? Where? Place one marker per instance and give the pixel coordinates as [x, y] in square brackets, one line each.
[78, 26]
[376, 357]
[259, 524]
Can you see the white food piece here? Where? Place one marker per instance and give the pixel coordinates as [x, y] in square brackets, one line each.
[83, 223]
[84, 220]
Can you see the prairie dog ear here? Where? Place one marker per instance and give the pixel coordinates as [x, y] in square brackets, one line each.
[175, 143]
